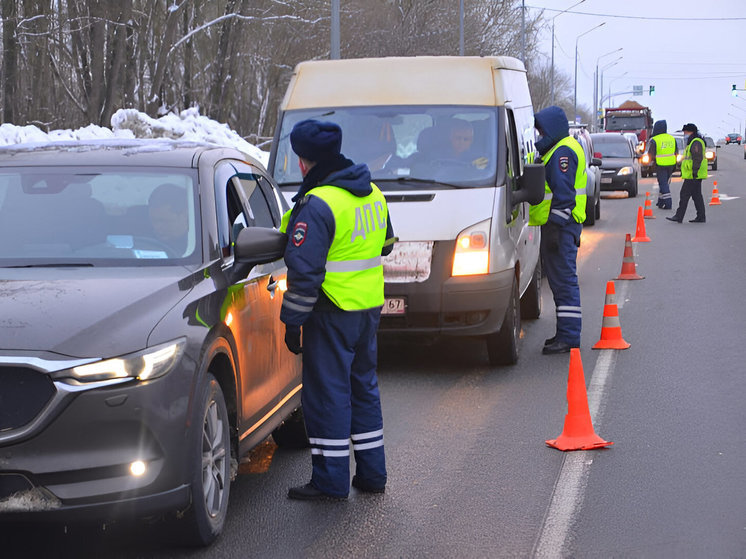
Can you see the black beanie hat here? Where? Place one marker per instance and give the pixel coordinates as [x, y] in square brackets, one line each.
[689, 127]
[315, 140]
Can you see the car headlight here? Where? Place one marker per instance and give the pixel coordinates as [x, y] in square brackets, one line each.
[679, 157]
[472, 255]
[147, 364]
[645, 159]
[709, 154]
[625, 171]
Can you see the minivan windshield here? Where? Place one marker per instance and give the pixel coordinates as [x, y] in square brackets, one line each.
[417, 145]
[98, 216]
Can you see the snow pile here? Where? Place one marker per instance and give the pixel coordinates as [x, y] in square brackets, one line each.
[129, 123]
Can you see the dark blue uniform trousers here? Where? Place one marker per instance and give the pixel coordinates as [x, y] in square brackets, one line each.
[341, 400]
[663, 174]
[560, 268]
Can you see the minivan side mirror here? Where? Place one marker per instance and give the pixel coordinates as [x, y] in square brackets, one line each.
[530, 185]
[259, 245]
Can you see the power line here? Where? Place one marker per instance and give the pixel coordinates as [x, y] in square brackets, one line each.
[697, 19]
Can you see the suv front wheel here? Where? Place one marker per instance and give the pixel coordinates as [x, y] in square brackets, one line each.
[210, 466]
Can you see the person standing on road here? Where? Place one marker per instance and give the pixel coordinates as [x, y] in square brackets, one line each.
[662, 151]
[561, 215]
[693, 170]
[337, 230]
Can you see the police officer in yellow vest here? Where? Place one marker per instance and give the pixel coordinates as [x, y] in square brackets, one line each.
[561, 216]
[693, 170]
[337, 232]
[662, 151]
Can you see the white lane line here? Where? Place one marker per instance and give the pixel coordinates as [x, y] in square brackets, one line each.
[569, 489]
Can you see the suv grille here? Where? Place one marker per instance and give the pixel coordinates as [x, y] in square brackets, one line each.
[23, 394]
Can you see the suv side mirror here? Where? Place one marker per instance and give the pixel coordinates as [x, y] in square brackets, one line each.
[530, 185]
[259, 245]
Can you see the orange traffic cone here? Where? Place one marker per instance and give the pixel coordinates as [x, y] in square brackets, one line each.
[629, 268]
[715, 200]
[578, 433]
[611, 328]
[640, 235]
[648, 213]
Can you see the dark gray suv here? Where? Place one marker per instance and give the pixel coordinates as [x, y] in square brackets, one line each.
[141, 355]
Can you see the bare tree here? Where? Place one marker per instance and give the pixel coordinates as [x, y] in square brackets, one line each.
[67, 63]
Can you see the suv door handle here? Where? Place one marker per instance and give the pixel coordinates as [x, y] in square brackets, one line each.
[272, 285]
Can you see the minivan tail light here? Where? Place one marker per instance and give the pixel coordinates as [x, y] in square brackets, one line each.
[472, 254]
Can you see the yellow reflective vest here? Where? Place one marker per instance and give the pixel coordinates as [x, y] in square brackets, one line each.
[354, 272]
[665, 150]
[687, 164]
[539, 214]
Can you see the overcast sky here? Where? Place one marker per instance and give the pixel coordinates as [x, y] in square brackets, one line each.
[692, 64]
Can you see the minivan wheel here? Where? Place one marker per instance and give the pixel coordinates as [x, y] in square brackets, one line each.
[291, 433]
[502, 347]
[531, 300]
[210, 467]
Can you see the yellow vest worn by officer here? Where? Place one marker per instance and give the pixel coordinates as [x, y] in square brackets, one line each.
[539, 214]
[354, 271]
[687, 164]
[665, 150]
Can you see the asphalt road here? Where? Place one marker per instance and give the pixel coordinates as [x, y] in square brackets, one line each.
[469, 472]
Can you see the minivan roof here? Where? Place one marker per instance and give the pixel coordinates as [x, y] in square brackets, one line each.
[415, 80]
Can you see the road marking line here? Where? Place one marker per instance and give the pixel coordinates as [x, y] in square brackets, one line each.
[569, 489]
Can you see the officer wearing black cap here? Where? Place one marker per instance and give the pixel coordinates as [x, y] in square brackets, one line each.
[693, 170]
[337, 232]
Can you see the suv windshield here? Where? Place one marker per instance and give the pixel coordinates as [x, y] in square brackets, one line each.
[98, 216]
[449, 145]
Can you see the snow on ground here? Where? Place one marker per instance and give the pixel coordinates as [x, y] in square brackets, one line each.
[130, 123]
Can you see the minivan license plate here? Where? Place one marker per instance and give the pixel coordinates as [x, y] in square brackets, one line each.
[394, 305]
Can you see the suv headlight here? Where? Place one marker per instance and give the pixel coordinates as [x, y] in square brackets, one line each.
[147, 364]
[472, 255]
[625, 171]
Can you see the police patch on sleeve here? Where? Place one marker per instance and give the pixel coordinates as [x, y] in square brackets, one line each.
[564, 163]
[299, 233]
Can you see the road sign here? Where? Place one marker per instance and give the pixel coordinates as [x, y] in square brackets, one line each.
[636, 90]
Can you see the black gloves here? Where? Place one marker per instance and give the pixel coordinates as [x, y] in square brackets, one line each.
[292, 339]
[551, 232]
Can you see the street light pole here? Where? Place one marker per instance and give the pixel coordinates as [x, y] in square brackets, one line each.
[738, 120]
[608, 97]
[461, 28]
[596, 94]
[335, 31]
[575, 93]
[555, 17]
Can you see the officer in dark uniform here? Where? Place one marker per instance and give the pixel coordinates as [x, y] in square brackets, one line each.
[337, 232]
[693, 170]
[663, 151]
[561, 215]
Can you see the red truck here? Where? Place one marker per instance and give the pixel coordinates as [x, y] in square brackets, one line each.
[630, 116]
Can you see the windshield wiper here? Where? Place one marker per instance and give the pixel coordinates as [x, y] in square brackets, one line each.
[419, 180]
[57, 265]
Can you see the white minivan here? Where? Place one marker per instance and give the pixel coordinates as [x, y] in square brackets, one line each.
[450, 142]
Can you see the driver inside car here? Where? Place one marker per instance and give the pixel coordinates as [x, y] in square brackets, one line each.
[461, 138]
[167, 209]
